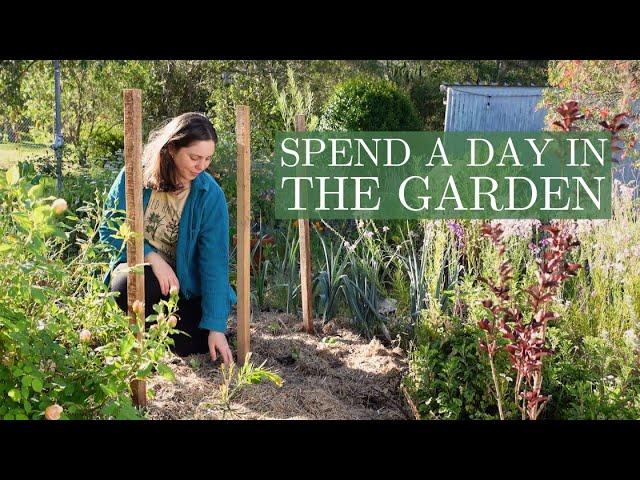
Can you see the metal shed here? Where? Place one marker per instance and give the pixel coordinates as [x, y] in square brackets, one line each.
[492, 108]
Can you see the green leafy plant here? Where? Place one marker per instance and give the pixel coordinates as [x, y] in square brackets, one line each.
[371, 104]
[292, 100]
[329, 282]
[66, 349]
[445, 379]
[234, 379]
[284, 291]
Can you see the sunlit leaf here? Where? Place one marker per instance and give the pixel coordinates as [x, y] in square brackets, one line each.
[13, 175]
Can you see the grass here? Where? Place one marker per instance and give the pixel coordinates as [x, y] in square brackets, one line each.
[11, 153]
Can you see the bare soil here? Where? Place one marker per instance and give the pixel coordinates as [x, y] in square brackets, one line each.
[333, 374]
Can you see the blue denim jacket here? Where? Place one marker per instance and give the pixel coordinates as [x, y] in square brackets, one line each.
[202, 253]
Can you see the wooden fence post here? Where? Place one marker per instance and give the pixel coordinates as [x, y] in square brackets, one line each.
[243, 134]
[135, 217]
[305, 256]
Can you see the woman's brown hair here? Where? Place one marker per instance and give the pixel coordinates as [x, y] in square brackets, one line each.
[159, 171]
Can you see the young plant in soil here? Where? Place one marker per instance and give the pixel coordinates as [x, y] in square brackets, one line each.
[235, 379]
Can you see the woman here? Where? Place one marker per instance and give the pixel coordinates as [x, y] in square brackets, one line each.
[186, 234]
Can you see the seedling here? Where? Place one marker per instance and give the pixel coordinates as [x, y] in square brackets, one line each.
[234, 379]
[274, 328]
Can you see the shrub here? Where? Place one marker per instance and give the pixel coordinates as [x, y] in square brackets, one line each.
[593, 378]
[104, 145]
[366, 104]
[446, 378]
[66, 349]
[426, 96]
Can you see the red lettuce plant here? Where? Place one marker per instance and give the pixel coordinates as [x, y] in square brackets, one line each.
[506, 328]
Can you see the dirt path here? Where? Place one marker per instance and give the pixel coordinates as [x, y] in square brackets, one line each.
[331, 375]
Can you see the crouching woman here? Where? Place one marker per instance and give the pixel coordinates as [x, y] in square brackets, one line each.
[186, 235]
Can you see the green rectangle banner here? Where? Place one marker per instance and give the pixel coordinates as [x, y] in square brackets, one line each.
[466, 175]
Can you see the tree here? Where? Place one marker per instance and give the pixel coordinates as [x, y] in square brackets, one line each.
[12, 74]
[177, 86]
[603, 89]
[91, 100]
[250, 82]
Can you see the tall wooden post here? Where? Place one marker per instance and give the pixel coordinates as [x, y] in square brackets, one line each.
[305, 256]
[133, 189]
[243, 229]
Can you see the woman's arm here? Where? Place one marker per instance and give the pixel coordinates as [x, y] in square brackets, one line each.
[213, 246]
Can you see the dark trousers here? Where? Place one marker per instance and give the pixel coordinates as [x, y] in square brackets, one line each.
[189, 312]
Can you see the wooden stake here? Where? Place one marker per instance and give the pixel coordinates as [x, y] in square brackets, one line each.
[243, 231]
[135, 217]
[305, 256]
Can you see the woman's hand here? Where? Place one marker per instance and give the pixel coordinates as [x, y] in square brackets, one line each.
[163, 272]
[218, 340]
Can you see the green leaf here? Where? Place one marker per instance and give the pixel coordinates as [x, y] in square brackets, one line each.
[108, 390]
[145, 370]
[136, 269]
[13, 175]
[36, 385]
[41, 214]
[21, 416]
[14, 394]
[37, 294]
[22, 220]
[127, 412]
[36, 191]
[126, 344]
[5, 247]
[166, 372]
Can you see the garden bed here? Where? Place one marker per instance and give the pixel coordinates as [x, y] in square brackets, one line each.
[332, 375]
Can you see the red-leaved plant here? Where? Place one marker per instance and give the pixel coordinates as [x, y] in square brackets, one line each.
[615, 126]
[525, 341]
[570, 113]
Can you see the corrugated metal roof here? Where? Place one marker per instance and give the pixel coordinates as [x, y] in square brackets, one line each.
[489, 108]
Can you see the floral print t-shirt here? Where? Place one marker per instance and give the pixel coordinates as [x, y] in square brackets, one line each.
[161, 221]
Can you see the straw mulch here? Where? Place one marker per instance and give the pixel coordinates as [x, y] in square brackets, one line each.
[333, 374]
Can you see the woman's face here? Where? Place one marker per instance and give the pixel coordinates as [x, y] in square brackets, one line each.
[192, 160]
